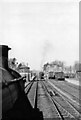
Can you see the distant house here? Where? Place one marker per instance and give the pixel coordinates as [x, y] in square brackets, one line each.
[24, 69]
[53, 68]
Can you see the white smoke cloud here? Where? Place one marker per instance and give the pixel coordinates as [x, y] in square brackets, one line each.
[47, 47]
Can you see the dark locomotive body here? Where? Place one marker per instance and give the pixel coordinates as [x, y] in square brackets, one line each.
[11, 82]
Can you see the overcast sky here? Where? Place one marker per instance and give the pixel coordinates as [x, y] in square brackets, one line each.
[40, 32]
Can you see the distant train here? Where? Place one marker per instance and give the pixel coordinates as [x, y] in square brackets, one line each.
[56, 75]
[51, 75]
[59, 76]
[41, 75]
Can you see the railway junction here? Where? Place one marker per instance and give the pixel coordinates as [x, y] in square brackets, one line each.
[57, 100]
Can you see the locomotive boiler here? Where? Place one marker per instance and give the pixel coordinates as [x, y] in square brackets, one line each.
[11, 83]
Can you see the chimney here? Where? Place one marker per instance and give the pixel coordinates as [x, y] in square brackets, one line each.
[4, 56]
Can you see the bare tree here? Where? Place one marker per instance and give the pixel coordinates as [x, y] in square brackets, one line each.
[12, 62]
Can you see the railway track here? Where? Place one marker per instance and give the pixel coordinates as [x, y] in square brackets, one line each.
[72, 85]
[70, 93]
[45, 104]
[67, 87]
[28, 87]
[64, 108]
[74, 97]
[74, 93]
[72, 102]
[32, 92]
[52, 101]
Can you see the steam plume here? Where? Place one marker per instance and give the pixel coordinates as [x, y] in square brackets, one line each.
[45, 50]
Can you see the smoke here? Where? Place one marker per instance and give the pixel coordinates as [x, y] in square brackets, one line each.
[47, 47]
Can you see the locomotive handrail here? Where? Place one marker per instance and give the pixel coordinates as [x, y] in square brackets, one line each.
[6, 83]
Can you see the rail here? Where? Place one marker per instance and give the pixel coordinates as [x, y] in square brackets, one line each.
[35, 106]
[61, 116]
[61, 111]
[65, 109]
[28, 86]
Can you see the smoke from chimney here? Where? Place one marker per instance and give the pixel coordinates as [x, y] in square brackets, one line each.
[46, 49]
